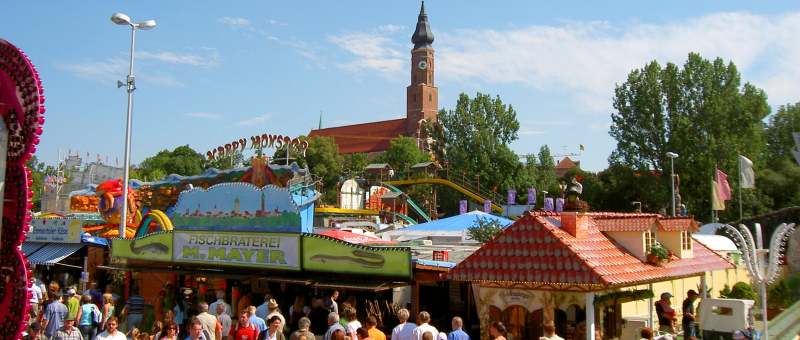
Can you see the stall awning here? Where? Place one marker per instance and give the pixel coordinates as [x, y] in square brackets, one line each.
[53, 253]
[29, 248]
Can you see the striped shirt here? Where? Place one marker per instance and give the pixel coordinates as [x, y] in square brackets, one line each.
[135, 304]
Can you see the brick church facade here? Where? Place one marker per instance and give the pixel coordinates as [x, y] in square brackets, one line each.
[422, 103]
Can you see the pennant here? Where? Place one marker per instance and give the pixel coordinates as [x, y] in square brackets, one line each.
[723, 188]
[462, 207]
[716, 202]
[512, 197]
[531, 196]
[747, 178]
[559, 204]
[487, 206]
[548, 204]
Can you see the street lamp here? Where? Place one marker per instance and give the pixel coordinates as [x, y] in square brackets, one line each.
[130, 83]
[672, 157]
[544, 198]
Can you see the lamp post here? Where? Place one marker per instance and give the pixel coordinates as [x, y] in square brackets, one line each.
[672, 157]
[544, 197]
[762, 264]
[130, 84]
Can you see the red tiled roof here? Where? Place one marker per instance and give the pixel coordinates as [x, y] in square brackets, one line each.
[627, 224]
[367, 137]
[678, 224]
[536, 250]
[565, 163]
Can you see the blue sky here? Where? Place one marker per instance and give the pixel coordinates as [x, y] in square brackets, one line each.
[215, 71]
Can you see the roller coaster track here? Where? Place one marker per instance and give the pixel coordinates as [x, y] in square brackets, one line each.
[413, 205]
[479, 198]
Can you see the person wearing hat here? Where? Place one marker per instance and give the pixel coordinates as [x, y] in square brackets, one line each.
[666, 314]
[272, 305]
[73, 303]
[69, 331]
[688, 321]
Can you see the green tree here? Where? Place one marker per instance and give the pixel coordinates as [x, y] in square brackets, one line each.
[484, 229]
[355, 163]
[546, 178]
[38, 172]
[324, 161]
[403, 152]
[477, 134]
[700, 111]
[235, 159]
[183, 160]
[779, 133]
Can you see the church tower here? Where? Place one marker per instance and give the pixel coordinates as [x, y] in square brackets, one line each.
[422, 97]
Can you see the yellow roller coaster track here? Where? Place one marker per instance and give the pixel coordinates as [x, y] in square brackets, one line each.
[346, 211]
[440, 181]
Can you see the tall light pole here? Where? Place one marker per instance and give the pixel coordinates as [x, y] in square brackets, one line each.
[672, 157]
[130, 83]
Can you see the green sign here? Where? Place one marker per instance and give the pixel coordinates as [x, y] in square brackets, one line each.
[324, 254]
[154, 247]
[248, 249]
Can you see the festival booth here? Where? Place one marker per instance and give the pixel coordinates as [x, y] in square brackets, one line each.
[248, 238]
[550, 266]
[60, 251]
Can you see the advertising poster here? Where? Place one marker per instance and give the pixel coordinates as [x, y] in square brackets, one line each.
[57, 230]
[324, 254]
[153, 247]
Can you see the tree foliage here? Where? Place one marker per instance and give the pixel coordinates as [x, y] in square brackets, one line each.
[38, 172]
[779, 133]
[700, 111]
[403, 152]
[183, 160]
[484, 229]
[325, 163]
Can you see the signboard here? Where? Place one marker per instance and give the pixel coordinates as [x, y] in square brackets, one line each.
[512, 197]
[487, 206]
[257, 142]
[59, 230]
[275, 250]
[462, 207]
[324, 254]
[531, 196]
[153, 247]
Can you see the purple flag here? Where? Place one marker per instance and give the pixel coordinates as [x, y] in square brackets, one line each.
[487, 206]
[559, 204]
[531, 196]
[462, 207]
[512, 197]
[548, 204]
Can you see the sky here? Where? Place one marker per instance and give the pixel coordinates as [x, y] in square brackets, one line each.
[213, 72]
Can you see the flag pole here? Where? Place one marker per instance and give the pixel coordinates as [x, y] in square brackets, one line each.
[739, 161]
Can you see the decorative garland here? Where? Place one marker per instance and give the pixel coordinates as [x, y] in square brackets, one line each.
[622, 296]
[22, 109]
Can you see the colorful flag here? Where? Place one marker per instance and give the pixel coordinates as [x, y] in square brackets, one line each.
[559, 204]
[548, 204]
[723, 188]
[462, 207]
[487, 206]
[716, 202]
[512, 197]
[531, 196]
[747, 178]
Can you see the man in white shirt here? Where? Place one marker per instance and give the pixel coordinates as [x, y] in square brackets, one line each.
[224, 320]
[424, 327]
[208, 321]
[220, 301]
[36, 298]
[404, 329]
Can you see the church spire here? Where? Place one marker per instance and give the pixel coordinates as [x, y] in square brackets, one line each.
[423, 37]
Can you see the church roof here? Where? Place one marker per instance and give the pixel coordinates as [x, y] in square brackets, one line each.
[423, 36]
[366, 137]
[566, 163]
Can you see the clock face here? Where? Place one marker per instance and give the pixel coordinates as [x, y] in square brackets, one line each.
[422, 65]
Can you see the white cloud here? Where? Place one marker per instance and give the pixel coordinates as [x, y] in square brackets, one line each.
[530, 132]
[205, 115]
[274, 22]
[390, 28]
[210, 59]
[372, 52]
[260, 119]
[107, 71]
[586, 59]
[161, 80]
[234, 22]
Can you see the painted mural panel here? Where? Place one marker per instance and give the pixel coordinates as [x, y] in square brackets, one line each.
[154, 247]
[326, 254]
[237, 207]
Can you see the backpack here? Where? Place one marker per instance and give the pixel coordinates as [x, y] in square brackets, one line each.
[97, 317]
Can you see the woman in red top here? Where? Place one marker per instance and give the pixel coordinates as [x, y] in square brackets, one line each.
[244, 330]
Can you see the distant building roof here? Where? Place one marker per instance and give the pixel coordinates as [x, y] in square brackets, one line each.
[536, 250]
[564, 165]
[377, 166]
[716, 242]
[366, 137]
[422, 165]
